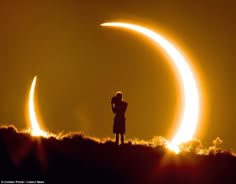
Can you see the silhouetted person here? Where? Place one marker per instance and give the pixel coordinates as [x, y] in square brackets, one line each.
[119, 107]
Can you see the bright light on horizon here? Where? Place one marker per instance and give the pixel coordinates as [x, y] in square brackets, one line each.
[35, 128]
[189, 119]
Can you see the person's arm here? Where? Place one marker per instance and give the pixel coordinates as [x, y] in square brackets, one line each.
[126, 105]
[113, 108]
[113, 105]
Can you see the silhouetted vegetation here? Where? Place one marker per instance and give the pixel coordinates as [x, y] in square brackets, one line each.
[75, 158]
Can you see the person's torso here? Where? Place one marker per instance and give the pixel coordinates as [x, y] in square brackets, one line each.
[121, 108]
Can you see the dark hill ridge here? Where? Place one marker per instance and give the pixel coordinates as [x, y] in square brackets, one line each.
[77, 159]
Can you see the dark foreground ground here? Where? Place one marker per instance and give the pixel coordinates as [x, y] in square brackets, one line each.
[75, 159]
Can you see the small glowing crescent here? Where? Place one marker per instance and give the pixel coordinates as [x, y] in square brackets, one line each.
[35, 128]
[191, 97]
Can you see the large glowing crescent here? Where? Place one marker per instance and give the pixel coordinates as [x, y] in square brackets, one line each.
[191, 97]
[35, 128]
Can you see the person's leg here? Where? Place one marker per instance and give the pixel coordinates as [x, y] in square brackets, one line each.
[122, 138]
[117, 138]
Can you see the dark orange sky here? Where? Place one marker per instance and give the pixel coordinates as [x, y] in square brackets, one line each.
[80, 65]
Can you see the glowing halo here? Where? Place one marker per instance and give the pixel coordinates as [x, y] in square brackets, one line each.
[35, 128]
[190, 115]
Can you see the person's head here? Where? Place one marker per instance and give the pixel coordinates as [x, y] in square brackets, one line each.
[119, 95]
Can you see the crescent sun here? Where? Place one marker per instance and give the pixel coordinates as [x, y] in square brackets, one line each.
[35, 127]
[189, 119]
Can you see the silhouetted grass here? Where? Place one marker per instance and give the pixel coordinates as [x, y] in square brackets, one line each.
[75, 158]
